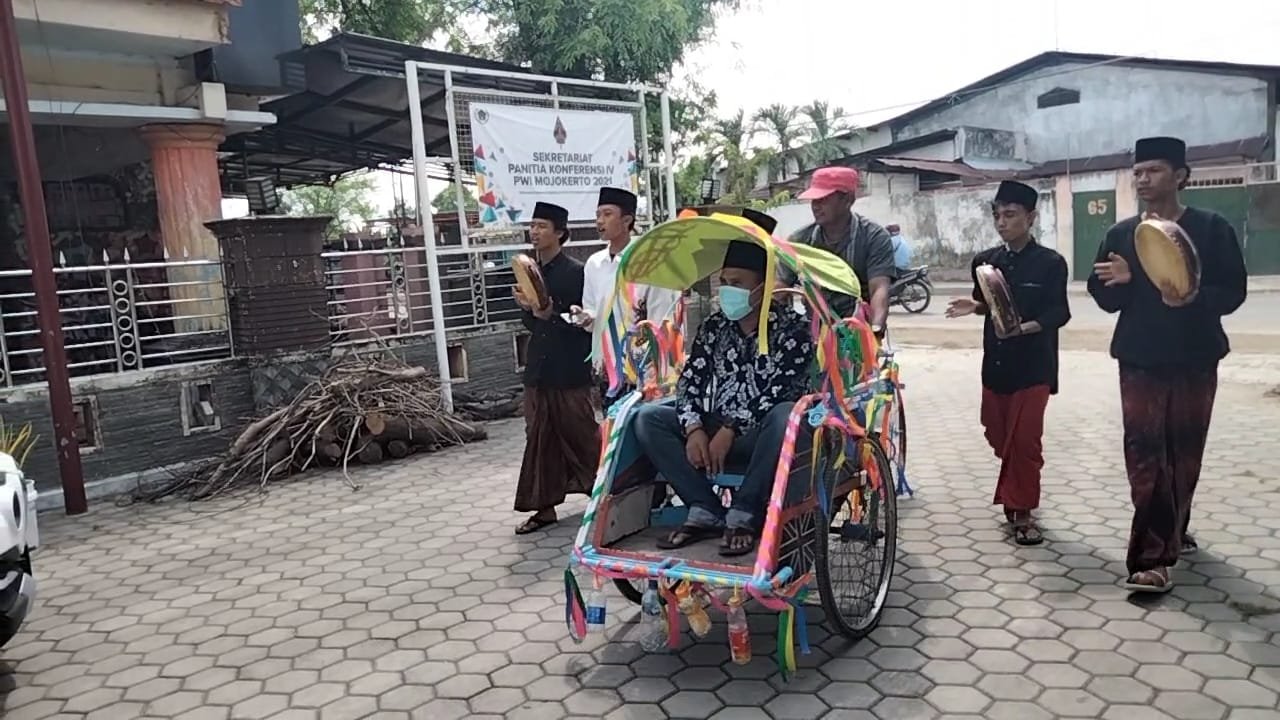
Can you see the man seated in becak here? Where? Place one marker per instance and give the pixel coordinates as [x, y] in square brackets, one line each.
[732, 404]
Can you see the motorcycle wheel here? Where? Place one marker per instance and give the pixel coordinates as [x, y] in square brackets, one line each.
[915, 298]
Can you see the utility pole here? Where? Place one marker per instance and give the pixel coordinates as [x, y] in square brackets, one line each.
[40, 255]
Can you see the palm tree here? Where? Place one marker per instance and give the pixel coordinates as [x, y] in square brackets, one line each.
[729, 145]
[827, 123]
[779, 121]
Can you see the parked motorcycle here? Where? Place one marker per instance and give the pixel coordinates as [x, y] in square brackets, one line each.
[913, 291]
[19, 536]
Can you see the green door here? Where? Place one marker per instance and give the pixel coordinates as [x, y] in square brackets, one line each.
[1230, 202]
[1262, 245]
[1093, 214]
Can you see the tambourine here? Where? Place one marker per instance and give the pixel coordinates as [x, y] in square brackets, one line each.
[995, 291]
[529, 281]
[1168, 257]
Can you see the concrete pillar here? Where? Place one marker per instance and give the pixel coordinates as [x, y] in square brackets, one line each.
[184, 159]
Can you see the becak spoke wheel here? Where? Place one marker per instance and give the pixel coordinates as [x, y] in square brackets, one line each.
[855, 557]
[632, 590]
[895, 445]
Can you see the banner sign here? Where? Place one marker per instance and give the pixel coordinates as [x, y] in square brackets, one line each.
[525, 155]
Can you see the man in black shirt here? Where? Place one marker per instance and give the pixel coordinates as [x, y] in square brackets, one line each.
[732, 405]
[561, 448]
[1019, 372]
[1168, 349]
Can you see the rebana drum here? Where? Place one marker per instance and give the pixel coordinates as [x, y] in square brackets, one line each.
[995, 291]
[1169, 258]
[529, 280]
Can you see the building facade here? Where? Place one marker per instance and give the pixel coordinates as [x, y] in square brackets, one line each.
[1066, 123]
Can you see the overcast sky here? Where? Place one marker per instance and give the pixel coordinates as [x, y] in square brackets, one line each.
[877, 59]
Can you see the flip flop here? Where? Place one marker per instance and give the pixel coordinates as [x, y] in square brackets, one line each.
[687, 535]
[534, 524]
[1164, 586]
[1027, 535]
[726, 547]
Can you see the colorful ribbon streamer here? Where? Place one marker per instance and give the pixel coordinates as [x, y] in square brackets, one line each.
[575, 609]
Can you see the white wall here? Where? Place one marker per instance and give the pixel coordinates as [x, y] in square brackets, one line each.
[867, 139]
[1117, 106]
[946, 227]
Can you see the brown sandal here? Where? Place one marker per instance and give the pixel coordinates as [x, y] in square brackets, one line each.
[1149, 581]
[687, 535]
[1025, 530]
[535, 523]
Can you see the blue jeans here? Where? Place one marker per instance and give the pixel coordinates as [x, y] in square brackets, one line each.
[663, 441]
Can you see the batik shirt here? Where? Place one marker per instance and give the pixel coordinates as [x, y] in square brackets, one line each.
[728, 382]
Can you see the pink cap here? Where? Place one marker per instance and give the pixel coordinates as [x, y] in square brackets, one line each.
[829, 180]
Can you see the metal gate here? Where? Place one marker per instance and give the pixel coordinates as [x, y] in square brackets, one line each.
[472, 254]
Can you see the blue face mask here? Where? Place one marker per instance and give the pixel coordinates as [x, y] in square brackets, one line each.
[735, 302]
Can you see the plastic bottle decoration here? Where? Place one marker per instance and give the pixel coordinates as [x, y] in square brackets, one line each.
[739, 632]
[597, 607]
[693, 609]
[653, 637]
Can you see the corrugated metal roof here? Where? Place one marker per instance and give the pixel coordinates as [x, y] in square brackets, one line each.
[941, 167]
[1247, 148]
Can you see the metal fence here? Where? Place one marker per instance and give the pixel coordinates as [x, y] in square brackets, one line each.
[379, 288]
[117, 317]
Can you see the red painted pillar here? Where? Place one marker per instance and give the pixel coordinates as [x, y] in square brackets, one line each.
[184, 159]
[40, 252]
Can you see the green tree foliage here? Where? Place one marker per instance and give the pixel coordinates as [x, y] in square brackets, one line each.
[411, 21]
[447, 200]
[825, 123]
[349, 201]
[689, 181]
[615, 40]
[781, 123]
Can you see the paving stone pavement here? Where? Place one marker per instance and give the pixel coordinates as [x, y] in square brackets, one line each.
[412, 599]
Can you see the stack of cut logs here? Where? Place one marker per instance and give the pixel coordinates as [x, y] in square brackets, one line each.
[360, 410]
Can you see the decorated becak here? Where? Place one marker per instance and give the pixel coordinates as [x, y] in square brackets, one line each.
[529, 281]
[999, 300]
[1169, 258]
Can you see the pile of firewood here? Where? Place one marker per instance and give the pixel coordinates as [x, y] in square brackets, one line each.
[362, 410]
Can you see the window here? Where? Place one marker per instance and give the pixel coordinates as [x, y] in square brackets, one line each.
[1215, 182]
[520, 343]
[458, 370]
[88, 431]
[1057, 97]
[198, 412]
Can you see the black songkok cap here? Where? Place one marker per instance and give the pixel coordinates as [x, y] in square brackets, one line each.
[765, 222]
[745, 255]
[1016, 193]
[624, 199]
[558, 216]
[1170, 149]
